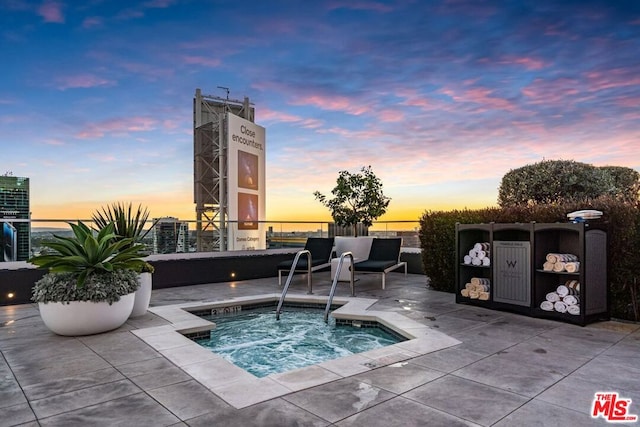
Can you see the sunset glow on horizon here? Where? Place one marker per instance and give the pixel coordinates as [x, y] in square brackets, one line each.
[441, 98]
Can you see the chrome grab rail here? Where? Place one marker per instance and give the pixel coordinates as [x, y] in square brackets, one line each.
[335, 283]
[288, 282]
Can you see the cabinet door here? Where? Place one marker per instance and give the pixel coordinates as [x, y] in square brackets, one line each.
[512, 272]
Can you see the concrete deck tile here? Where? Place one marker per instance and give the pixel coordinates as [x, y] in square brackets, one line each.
[14, 415]
[303, 378]
[72, 383]
[400, 411]
[339, 399]
[399, 377]
[72, 400]
[119, 348]
[133, 410]
[187, 399]
[467, 399]
[449, 359]
[249, 391]
[577, 394]
[518, 377]
[277, 412]
[541, 414]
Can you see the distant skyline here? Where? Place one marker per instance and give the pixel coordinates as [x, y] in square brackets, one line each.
[441, 98]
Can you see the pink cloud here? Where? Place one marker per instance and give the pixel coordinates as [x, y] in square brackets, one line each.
[611, 79]
[117, 126]
[51, 11]
[333, 103]
[202, 60]
[528, 63]
[266, 114]
[482, 96]
[551, 92]
[82, 81]
[391, 115]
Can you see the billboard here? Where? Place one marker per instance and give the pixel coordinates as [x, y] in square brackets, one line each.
[245, 184]
[9, 243]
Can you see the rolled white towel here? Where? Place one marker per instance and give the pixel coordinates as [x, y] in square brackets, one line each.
[477, 247]
[481, 288]
[467, 259]
[474, 294]
[571, 300]
[546, 305]
[564, 290]
[553, 297]
[473, 253]
[574, 310]
[552, 258]
[464, 293]
[482, 254]
[476, 261]
[558, 266]
[483, 296]
[480, 281]
[572, 267]
[547, 266]
[555, 257]
[560, 307]
[486, 262]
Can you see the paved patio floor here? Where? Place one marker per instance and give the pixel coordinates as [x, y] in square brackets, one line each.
[509, 370]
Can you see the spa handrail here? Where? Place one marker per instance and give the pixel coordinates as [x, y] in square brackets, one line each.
[288, 282]
[335, 283]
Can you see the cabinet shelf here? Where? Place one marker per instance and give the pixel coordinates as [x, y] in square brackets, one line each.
[560, 273]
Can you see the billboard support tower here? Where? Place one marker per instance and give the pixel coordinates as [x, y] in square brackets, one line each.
[210, 165]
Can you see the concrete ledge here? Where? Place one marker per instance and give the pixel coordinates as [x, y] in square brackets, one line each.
[173, 270]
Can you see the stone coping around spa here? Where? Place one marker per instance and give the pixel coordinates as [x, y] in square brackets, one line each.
[240, 389]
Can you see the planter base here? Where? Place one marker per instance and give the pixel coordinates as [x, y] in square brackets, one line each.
[143, 295]
[86, 317]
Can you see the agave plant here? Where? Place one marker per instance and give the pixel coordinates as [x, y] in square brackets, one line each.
[84, 254]
[126, 222]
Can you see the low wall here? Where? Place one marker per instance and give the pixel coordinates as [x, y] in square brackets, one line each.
[171, 270]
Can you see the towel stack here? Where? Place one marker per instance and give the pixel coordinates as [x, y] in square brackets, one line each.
[565, 299]
[479, 255]
[477, 288]
[561, 263]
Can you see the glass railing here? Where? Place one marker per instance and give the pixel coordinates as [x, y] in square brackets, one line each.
[23, 238]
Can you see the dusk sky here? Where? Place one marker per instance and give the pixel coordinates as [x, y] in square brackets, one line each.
[441, 98]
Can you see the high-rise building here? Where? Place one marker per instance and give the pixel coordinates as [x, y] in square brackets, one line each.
[14, 216]
[170, 236]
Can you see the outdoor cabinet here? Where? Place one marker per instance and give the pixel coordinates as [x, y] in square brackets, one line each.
[589, 243]
[518, 277]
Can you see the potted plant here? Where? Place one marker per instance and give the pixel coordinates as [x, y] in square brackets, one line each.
[358, 199]
[91, 281]
[129, 224]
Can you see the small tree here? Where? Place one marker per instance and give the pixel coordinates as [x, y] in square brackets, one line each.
[358, 198]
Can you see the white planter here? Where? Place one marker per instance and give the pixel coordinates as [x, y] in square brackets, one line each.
[143, 295]
[86, 317]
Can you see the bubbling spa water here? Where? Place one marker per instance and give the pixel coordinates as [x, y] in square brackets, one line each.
[255, 341]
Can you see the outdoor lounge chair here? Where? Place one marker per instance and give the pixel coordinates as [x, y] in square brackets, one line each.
[320, 248]
[384, 257]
